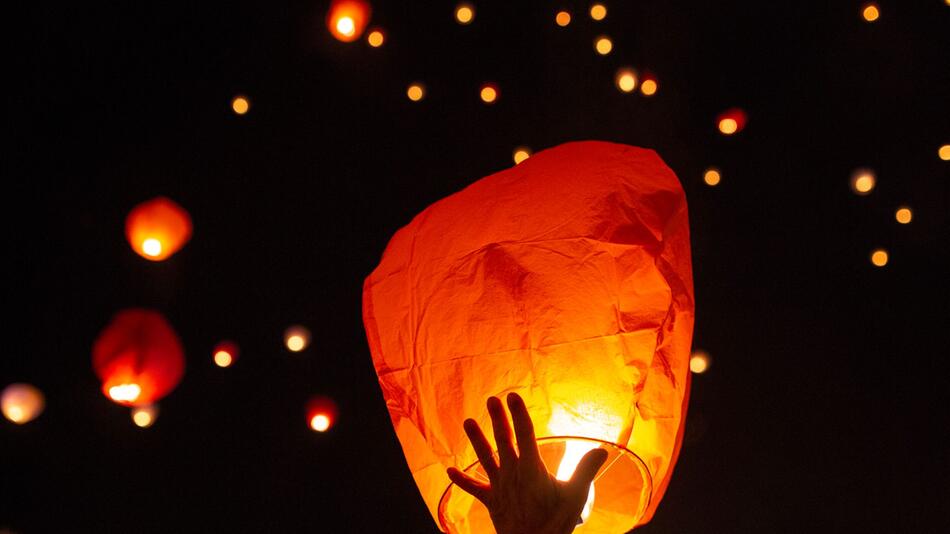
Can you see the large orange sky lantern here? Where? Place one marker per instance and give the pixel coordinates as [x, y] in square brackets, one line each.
[346, 19]
[138, 358]
[157, 228]
[567, 279]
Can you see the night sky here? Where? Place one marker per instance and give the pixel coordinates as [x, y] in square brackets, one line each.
[824, 409]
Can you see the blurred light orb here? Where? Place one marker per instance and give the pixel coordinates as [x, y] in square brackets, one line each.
[712, 177]
[346, 19]
[944, 151]
[144, 416]
[321, 413]
[21, 403]
[240, 105]
[152, 247]
[598, 11]
[603, 45]
[879, 257]
[157, 228]
[416, 92]
[626, 80]
[863, 181]
[699, 362]
[563, 18]
[731, 121]
[464, 13]
[125, 393]
[649, 87]
[488, 93]
[521, 153]
[904, 215]
[296, 338]
[376, 38]
[871, 12]
[225, 353]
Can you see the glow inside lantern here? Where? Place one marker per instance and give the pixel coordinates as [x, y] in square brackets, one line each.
[346, 19]
[138, 357]
[21, 403]
[575, 291]
[157, 228]
[321, 413]
[225, 353]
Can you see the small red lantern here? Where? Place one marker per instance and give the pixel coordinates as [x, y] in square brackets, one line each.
[321, 413]
[731, 121]
[157, 228]
[346, 19]
[138, 358]
[225, 353]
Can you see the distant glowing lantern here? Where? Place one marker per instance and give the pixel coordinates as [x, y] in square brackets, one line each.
[240, 104]
[712, 177]
[157, 228]
[416, 92]
[488, 93]
[603, 45]
[225, 353]
[464, 13]
[863, 181]
[649, 85]
[598, 11]
[346, 19]
[376, 38]
[870, 13]
[731, 121]
[573, 290]
[626, 79]
[138, 358]
[699, 362]
[563, 18]
[321, 413]
[521, 153]
[144, 416]
[904, 215]
[879, 257]
[296, 338]
[944, 152]
[21, 403]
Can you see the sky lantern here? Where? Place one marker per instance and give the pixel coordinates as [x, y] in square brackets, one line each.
[21, 403]
[488, 92]
[138, 358]
[731, 121]
[863, 181]
[575, 291]
[346, 19]
[225, 353]
[649, 86]
[157, 228]
[144, 416]
[321, 413]
[296, 338]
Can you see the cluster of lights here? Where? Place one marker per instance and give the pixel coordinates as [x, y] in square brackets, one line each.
[863, 182]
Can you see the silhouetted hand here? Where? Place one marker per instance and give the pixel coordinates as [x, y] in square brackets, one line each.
[522, 496]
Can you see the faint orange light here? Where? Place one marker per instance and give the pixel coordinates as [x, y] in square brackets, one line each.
[416, 92]
[488, 93]
[879, 257]
[626, 79]
[240, 104]
[944, 151]
[904, 215]
[21, 403]
[346, 19]
[712, 177]
[863, 181]
[649, 86]
[603, 45]
[376, 38]
[699, 362]
[296, 338]
[225, 353]
[731, 121]
[598, 11]
[563, 18]
[157, 228]
[321, 413]
[871, 12]
[464, 13]
[144, 416]
[521, 153]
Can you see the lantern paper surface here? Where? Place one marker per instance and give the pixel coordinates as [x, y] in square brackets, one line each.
[138, 358]
[157, 228]
[566, 279]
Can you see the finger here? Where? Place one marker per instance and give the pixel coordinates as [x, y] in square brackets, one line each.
[482, 448]
[502, 429]
[586, 471]
[475, 488]
[524, 428]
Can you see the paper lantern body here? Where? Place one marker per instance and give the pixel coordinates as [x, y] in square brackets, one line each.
[566, 279]
[21, 403]
[138, 358]
[346, 19]
[321, 413]
[157, 228]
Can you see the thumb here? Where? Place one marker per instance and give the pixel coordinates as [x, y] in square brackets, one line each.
[586, 471]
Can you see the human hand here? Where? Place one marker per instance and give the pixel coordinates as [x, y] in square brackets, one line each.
[522, 496]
